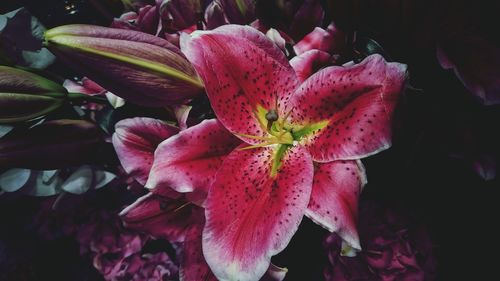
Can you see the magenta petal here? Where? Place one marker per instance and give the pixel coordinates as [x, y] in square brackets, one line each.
[242, 69]
[334, 198]
[252, 215]
[74, 87]
[193, 264]
[135, 141]
[358, 102]
[189, 160]
[148, 19]
[160, 216]
[318, 39]
[331, 40]
[181, 113]
[92, 86]
[275, 36]
[274, 273]
[125, 21]
[309, 62]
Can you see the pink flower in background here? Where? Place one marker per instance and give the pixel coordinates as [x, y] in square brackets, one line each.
[475, 62]
[256, 161]
[330, 40]
[221, 12]
[318, 49]
[394, 249]
[147, 20]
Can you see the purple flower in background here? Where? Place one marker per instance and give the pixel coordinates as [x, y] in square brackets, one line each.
[464, 48]
[117, 252]
[393, 249]
[475, 62]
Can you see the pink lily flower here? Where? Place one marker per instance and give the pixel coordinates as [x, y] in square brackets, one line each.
[298, 150]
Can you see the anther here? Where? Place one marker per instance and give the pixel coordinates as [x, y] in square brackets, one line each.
[271, 116]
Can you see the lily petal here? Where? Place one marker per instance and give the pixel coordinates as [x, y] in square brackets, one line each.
[135, 141]
[275, 273]
[87, 87]
[357, 101]
[331, 40]
[334, 198]
[242, 70]
[160, 216]
[148, 19]
[189, 160]
[193, 264]
[251, 215]
[318, 39]
[309, 62]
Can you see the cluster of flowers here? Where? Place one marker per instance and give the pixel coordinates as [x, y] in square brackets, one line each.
[295, 110]
[394, 248]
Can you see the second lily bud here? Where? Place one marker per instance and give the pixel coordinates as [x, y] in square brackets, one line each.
[25, 96]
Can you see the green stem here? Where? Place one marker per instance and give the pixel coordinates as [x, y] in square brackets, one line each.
[80, 98]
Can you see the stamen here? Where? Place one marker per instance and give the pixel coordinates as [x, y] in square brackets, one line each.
[264, 144]
[281, 123]
[253, 137]
[182, 206]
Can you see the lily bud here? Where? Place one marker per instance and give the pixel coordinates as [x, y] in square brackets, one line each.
[136, 66]
[51, 145]
[25, 96]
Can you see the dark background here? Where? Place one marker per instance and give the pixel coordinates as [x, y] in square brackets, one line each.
[417, 176]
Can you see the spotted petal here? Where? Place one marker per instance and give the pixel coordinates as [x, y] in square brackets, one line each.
[242, 70]
[357, 103]
[135, 141]
[189, 160]
[160, 216]
[334, 198]
[252, 213]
